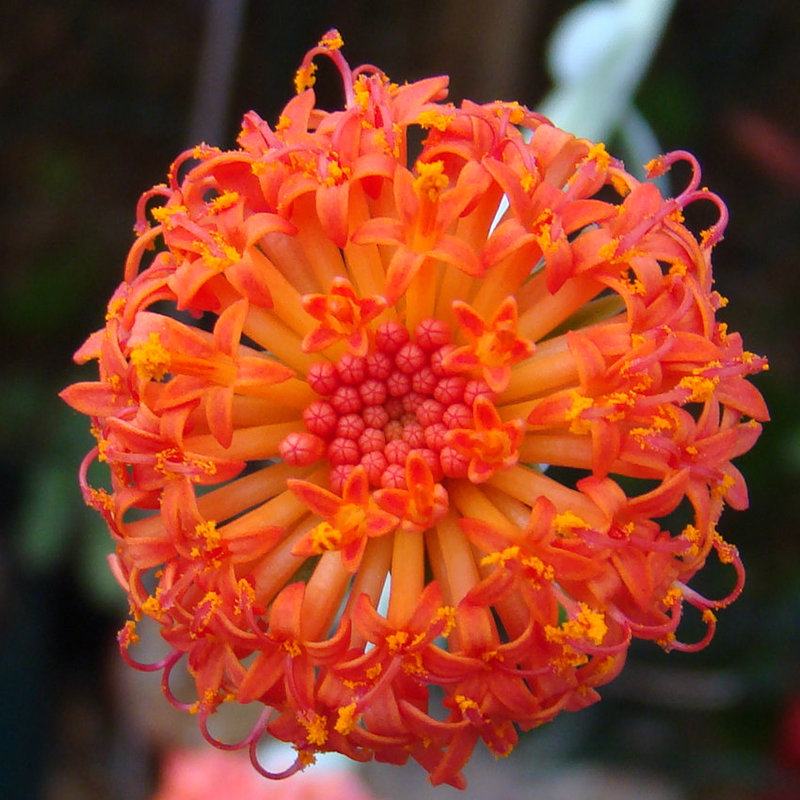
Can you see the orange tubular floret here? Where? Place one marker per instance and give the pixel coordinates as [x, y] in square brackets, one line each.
[415, 372]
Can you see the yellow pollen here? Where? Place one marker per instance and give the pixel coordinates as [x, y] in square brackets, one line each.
[579, 404]
[152, 606]
[431, 181]
[203, 151]
[567, 522]
[204, 465]
[516, 113]
[292, 648]
[434, 119]
[448, 614]
[721, 489]
[325, 537]
[374, 671]
[722, 301]
[316, 730]
[306, 758]
[115, 308]
[528, 181]
[662, 422]
[102, 446]
[543, 570]
[101, 499]
[283, 123]
[223, 201]
[678, 268]
[129, 635]
[608, 251]
[213, 601]
[501, 557]
[636, 287]
[208, 531]
[361, 91]
[673, 595]
[332, 40]
[569, 659]
[247, 595]
[346, 719]
[599, 155]
[588, 624]
[305, 78]
[701, 388]
[336, 174]
[542, 229]
[412, 665]
[150, 358]
[666, 641]
[163, 214]
[465, 703]
[418, 639]
[396, 640]
[709, 616]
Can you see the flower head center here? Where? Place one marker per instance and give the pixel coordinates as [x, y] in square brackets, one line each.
[377, 410]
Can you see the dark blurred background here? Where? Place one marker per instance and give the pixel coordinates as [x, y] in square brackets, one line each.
[98, 98]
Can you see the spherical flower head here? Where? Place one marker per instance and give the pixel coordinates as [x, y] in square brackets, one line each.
[335, 390]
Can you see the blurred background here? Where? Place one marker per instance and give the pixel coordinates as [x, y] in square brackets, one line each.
[97, 99]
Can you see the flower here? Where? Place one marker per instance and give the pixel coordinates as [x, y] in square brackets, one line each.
[329, 365]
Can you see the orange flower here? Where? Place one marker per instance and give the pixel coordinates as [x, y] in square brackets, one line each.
[368, 380]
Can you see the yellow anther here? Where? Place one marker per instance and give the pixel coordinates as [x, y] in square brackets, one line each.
[128, 635]
[325, 537]
[115, 308]
[434, 119]
[465, 703]
[587, 624]
[678, 268]
[673, 596]
[152, 606]
[396, 640]
[208, 531]
[361, 91]
[306, 758]
[578, 404]
[374, 671]
[346, 719]
[316, 729]
[431, 180]
[501, 557]
[448, 614]
[223, 201]
[336, 174]
[332, 40]
[701, 388]
[516, 113]
[151, 359]
[568, 521]
[305, 78]
[292, 648]
[163, 214]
